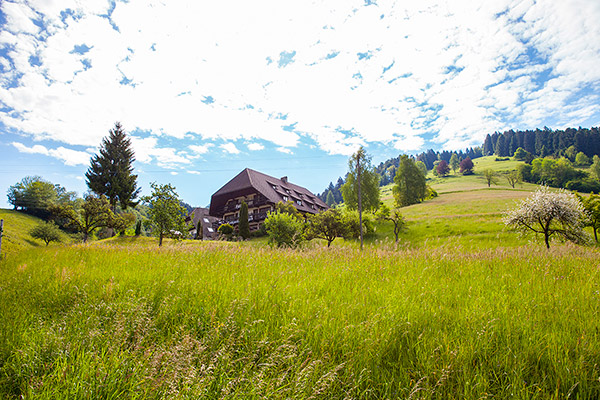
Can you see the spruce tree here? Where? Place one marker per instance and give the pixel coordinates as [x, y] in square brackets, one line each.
[111, 171]
[244, 226]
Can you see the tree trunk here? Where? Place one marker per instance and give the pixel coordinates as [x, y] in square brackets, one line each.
[595, 234]
[359, 198]
[546, 239]
[160, 239]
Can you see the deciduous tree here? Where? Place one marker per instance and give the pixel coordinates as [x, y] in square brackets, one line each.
[395, 216]
[284, 230]
[410, 184]
[490, 177]
[591, 204]
[549, 213]
[513, 177]
[454, 163]
[442, 168]
[165, 212]
[326, 225]
[466, 166]
[94, 213]
[46, 231]
[369, 183]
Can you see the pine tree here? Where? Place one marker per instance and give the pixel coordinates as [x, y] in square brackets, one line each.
[330, 201]
[111, 171]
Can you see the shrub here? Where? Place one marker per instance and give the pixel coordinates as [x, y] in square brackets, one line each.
[284, 230]
[46, 231]
[225, 229]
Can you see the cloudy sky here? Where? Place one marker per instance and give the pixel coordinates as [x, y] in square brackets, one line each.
[286, 87]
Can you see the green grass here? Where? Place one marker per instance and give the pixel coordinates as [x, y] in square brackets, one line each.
[212, 320]
[16, 232]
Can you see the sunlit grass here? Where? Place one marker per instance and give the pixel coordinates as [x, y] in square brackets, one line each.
[214, 320]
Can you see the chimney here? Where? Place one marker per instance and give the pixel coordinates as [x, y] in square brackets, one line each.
[284, 179]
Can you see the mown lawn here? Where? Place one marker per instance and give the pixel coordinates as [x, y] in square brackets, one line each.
[214, 320]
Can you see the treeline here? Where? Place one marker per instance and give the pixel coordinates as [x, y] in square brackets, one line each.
[544, 142]
[561, 173]
[333, 193]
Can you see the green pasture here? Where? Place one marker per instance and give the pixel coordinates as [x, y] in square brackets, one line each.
[125, 319]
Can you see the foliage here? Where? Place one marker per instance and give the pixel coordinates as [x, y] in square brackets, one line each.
[327, 225]
[46, 231]
[351, 222]
[410, 185]
[442, 168]
[225, 230]
[244, 225]
[369, 183]
[284, 230]
[582, 160]
[550, 213]
[166, 213]
[111, 172]
[490, 177]
[94, 213]
[513, 178]
[35, 196]
[595, 167]
[466, 166]
[395, 216]
[288, 208]
[422, 167]
[329, 200]
[454, 163]
[558, 173]
[199, 231]
[138, 227]
[121, 221]
[520, 154]
[591, 204]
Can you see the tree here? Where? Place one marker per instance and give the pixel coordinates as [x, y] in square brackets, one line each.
[199, 231]
[35, 196]
[520, 154]
[490, 177]
[394, 216]
[466, 166]
[410, 185]
[550, 213]
[369, 183]
[330, 201]
[288, 208]
[94, 213]
[361, 190]
[442, 168]
[46, 231]
[244, 225]
[582, 160]
[488, 147]
[595, 168]
[422, 167]
[591, 204]
[138, 227]
[284, 230]
[111, 172]
[454, 163]
[513, 177]
[326, 225]
[120, 222]
[165, 212]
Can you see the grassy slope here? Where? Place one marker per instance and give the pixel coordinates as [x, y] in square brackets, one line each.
[16, 232]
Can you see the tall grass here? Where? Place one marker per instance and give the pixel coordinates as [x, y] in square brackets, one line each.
[228, 321]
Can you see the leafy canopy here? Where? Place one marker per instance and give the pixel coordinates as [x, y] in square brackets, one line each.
[410, 185]
[166, 213]
[369, 183]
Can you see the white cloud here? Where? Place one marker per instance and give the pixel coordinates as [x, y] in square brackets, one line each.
[456, 70]
[200, 149]
[147, 150]
[230, 148]
[68, 156]
[284, 150]
[255, 146]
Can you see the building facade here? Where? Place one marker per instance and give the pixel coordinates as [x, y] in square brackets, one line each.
[261, 193]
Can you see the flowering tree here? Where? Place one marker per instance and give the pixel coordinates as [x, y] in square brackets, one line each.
[550, 213]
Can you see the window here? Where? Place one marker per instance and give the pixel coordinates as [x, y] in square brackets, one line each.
[299, 202]
[206, 220]
[211, 230]
[274, 187]
[285, 198]
[287, 191]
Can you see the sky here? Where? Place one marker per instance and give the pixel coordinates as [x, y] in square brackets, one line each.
[289, 88]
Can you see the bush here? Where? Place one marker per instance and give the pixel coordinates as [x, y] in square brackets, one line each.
[502, 159]
[284, 230]
[46, 231]
[225, 229]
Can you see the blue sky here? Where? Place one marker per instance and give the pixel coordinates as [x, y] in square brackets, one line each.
[287, 88]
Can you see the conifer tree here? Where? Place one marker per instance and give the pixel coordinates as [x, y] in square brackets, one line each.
[244, 225]
[111, 171]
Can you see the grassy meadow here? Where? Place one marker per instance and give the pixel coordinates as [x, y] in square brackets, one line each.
[461, 309]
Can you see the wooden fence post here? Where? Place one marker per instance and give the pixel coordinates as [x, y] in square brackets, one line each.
[1, 232]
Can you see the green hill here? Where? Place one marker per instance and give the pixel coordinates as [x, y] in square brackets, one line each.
[16, 232]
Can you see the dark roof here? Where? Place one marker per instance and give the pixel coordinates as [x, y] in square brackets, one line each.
[249, 181]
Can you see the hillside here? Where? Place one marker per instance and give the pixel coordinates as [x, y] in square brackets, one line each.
[16, 232]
